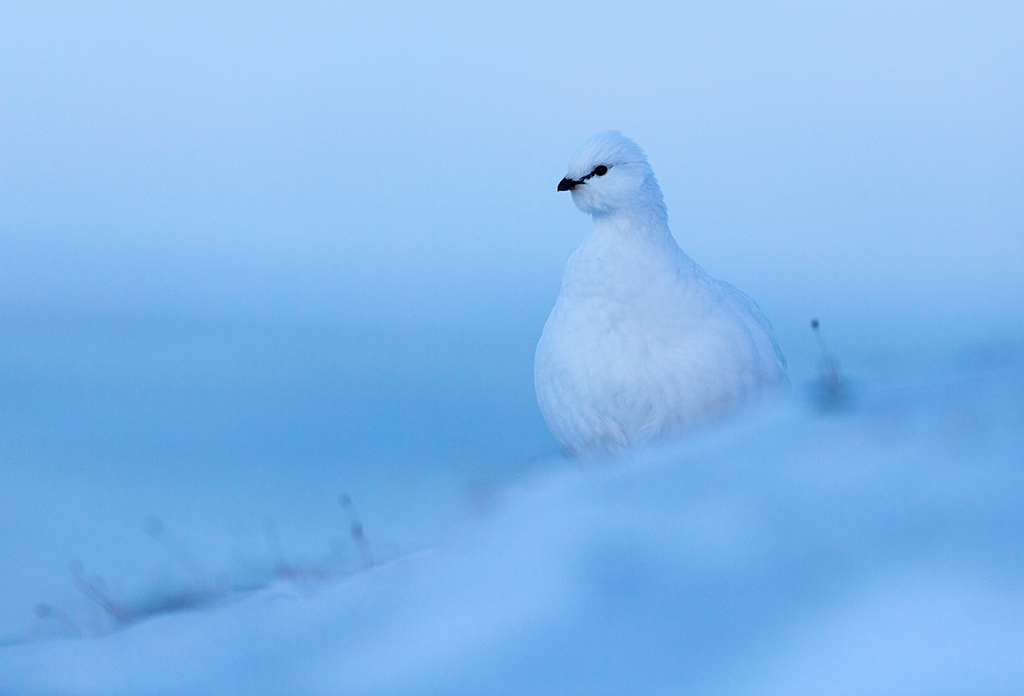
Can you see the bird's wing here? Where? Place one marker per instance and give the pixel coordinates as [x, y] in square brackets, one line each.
[758, 324]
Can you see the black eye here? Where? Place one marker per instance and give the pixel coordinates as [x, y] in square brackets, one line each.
[600, 170]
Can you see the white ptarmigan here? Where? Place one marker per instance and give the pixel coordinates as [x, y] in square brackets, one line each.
[642, 342]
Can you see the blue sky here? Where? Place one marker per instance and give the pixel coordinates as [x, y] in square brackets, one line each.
[859, 161]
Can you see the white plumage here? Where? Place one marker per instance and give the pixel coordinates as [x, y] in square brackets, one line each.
[642, 342]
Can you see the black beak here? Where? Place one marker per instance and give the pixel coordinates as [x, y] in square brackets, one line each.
[567, 184]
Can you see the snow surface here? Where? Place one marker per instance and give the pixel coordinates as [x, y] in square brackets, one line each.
[870, 549]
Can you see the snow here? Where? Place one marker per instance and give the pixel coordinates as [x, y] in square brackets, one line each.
[869, 549]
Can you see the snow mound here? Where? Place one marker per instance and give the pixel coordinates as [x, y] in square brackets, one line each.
[874, 550]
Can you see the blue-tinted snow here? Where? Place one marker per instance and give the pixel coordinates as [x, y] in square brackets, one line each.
[872, 550]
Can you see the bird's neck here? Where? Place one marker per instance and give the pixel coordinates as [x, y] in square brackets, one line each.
[643, 226]
[624, 252]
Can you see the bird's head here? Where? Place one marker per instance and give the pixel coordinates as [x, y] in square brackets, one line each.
[609, 173]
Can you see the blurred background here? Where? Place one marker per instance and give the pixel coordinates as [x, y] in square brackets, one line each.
[256, 255]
